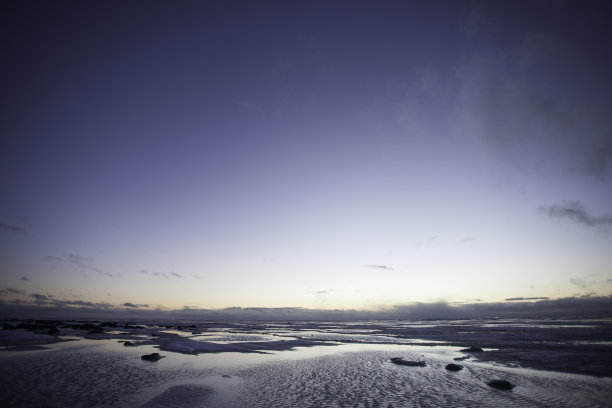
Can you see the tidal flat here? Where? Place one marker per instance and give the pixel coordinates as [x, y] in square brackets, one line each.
[541, 362]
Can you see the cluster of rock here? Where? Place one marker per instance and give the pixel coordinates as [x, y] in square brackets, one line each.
[454, 367]
[501, 385]
[152, 357]
[37, 326]
[401, 361]
[498, 384]
[472, 350]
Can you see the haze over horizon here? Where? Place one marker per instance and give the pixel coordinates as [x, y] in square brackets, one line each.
[322, 156]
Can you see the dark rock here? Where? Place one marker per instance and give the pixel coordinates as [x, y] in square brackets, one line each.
[460, 358]
[472, 350]
[26, 326]
[84, 326]
[501, 385]
[96, 331]
[401, 361]
[454, 367]
[152, 357]
[53, 330]
[226, 376]
[129, 343]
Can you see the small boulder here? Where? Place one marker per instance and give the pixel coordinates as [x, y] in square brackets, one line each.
[460, 358]
[409, 363]
[454, 367]
[501, 385]
[152, 357]
[472, 350]
[129, 343]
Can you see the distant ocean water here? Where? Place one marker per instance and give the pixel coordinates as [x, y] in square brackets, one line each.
[550, 362]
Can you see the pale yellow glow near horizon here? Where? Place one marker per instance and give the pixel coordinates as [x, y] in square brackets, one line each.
[360, 293]
[451, 274]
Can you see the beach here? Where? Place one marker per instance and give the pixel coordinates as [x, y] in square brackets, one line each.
[305, 364]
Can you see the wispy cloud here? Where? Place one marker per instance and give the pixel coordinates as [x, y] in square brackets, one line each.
[82, 303]
[87, 263]
[580, 282]
[506, 107]
[133, 305]
[164, 275]
[429, 242]
[12, 228]
[520, 298]
[381, 267]
[11, 291]
[251, 106]
[466, 239]
[577, 212]
[156, 274]
[81, 262]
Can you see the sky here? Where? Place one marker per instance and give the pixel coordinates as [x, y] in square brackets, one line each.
[333, 155]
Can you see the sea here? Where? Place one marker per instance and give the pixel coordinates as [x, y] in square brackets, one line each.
[547, 362]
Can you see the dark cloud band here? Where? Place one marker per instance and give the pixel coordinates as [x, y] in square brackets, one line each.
[577, 212]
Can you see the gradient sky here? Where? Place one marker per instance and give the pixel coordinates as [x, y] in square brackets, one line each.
[304, 154]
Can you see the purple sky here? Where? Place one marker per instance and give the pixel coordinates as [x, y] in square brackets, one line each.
[328, 155]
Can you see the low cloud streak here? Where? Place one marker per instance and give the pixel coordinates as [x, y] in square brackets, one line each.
[520, 298]
[585, 306]
[11, 228]
[380, 267]
[11, 291]
[135, 306]
[164, 275]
